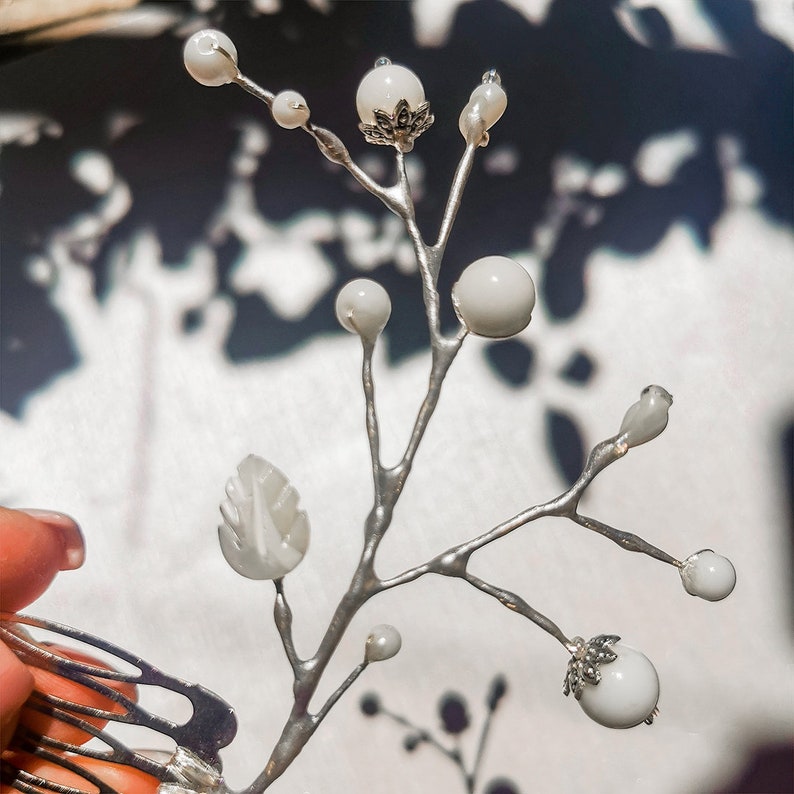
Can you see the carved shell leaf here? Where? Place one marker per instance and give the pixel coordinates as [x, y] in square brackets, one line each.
[263, 534]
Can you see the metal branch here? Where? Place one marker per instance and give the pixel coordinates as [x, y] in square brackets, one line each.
[453, 203]
[373, 432]
[517, 604]
[626, 540]
[346, 684]
[282, 616]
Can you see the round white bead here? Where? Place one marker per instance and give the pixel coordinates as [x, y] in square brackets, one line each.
[363, 307]
[203, 61]
[384, 641]
[627, 693]
[494, 297]
[383, 87]
[708, 575]
[646, 418]
[289, 110]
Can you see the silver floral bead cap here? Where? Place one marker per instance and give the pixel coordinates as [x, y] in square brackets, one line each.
[392, 106]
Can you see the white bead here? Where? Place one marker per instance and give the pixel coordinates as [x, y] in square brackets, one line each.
[383, 87]
[384, 641]
[646, 418]
[708, 575]
[289, 110]
[627, 693]
[363, 307]
[494, 297]
[487, 103]
[203, 61]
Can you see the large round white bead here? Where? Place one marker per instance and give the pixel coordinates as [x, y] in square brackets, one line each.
[384, 641]
[363, 307]
[494, 297]
[708, 575]
[627, 693]
[289, 110]
[203, 61]
[383, 87]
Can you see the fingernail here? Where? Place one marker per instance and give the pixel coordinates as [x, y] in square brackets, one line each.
[70, 534]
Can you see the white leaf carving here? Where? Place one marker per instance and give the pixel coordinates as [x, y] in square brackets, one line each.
[263, 534]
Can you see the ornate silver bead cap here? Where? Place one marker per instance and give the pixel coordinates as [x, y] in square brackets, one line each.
[392, 107]
[584, 665]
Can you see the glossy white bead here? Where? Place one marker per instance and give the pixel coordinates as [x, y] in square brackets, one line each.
[708, 575]
[627, 693]
[647, 417]
[289, 110]
[486, 105]
[384, 641]
[494, 297]
[383, 87]
[203, 61]
[363, 307]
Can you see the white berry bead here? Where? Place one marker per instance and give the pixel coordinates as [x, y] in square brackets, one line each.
[494, 297]
[627, 693]
[363, 307]
[203, 61]
[487, 103]
[708, 575]
[384, 641]
[289, 110]
[383, 87]
[646, 418]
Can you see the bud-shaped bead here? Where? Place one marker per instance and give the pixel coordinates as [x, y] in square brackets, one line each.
[205, 63]
[708, 575]
[647, 417]
[289, 110]
[494, 297]
[384, 641]
[384, 86]
[486, 105]
[363, 307]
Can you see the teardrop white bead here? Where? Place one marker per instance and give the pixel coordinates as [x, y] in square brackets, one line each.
[487, 102]
[203, 61]
[383, 87]
[289, 110]
[647, 417]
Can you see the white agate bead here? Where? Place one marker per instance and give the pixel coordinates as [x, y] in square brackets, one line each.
[289, 110]
[708, 575]
[384, 641]
[646, 418]
[494, 297]
[384, 86]
[627, 693]
[486, 104]
[203, 61]
[363, 307]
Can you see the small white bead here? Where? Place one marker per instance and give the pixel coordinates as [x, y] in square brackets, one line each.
[487, 103]
[627, 693]
[289, 110]
[384, 641]
[494, 297]
[383, 87]
[203, 61]
[646, 418]
[363, 307]
[708, 575]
